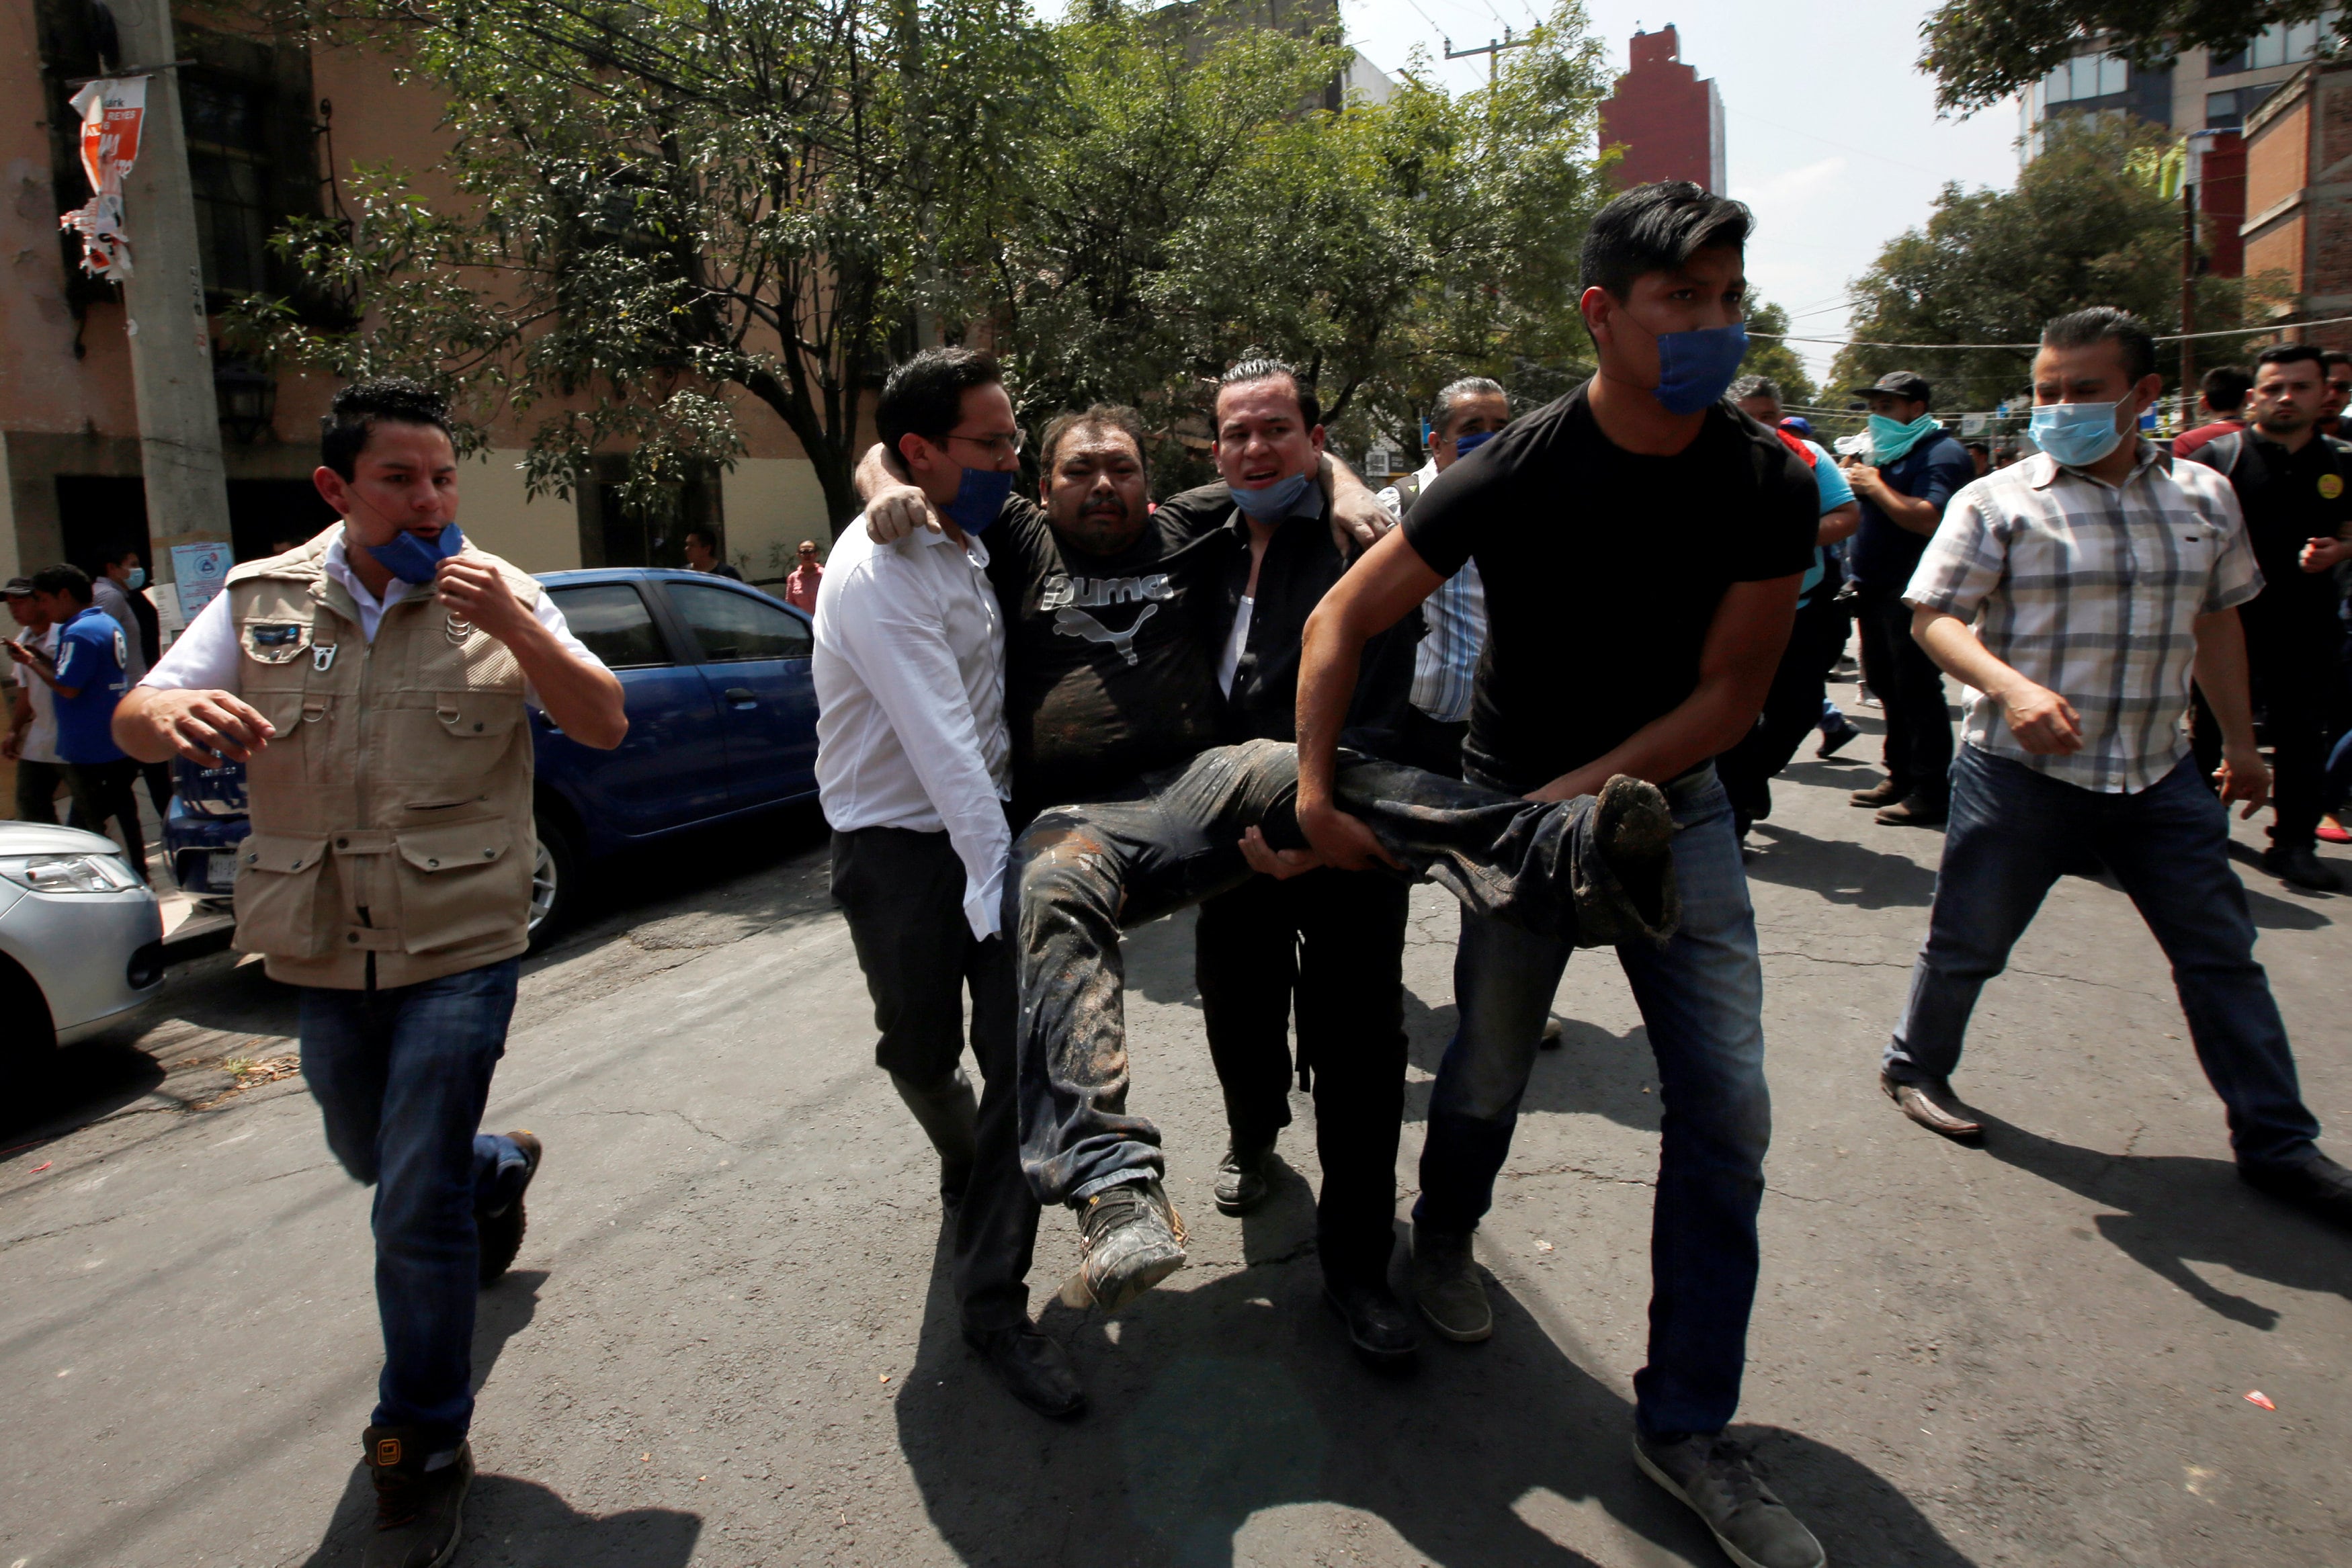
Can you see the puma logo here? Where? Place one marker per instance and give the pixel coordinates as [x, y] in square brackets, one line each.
[1072, 622]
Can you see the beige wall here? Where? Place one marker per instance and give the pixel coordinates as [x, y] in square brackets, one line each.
[771, 504]
[537, 533]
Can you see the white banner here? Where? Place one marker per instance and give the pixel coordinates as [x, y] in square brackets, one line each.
[112, 112]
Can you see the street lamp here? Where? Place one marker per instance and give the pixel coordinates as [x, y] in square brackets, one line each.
[247, 399]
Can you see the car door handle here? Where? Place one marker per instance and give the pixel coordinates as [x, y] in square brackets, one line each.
[743, 694]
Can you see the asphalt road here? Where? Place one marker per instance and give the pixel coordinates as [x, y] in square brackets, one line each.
[729, 1339]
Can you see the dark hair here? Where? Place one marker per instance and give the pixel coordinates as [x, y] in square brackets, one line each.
[1985, 447]
[128, 552]
[1450, 397]
[357, 410]
[2101, 324]
[925, 396]
[1244, 372]
[69, 580]
[1105, 415]
[708, 536]
[2335, 357]
[2292, 354]
[2224, 387]
[1656, 228]
[1747, 387]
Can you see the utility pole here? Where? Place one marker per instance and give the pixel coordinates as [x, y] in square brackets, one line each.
[164, 304]
[1492, 50]
[2192, 164]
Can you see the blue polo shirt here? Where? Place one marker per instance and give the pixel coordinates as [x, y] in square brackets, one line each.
[1886, 553]
[92, 656]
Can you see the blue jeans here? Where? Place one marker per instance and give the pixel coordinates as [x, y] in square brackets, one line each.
[2012, 830]
[1702, 997]
[401, 1076]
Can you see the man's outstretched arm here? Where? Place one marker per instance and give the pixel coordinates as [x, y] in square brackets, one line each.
[1374, 595]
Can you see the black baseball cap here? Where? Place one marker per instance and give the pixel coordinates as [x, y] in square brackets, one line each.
[1905, 384]
[16, 588]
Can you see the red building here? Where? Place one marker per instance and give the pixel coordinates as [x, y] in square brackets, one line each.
[1668, 120]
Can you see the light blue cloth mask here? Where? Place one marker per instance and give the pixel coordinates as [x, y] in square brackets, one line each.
[1891, 439]
[1273, 503]
[2077, 434]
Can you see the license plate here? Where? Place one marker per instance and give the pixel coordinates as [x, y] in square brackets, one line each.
[220, 874]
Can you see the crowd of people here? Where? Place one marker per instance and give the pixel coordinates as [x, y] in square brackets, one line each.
[1553, 672]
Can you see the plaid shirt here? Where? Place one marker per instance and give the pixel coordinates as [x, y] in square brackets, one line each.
[2091, 591]
[1446, 662]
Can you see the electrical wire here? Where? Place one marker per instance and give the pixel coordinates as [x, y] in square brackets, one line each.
[2174, 337]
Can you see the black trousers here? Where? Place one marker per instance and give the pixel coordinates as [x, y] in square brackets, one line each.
[1330, 942]
[1793, 708]
[37, 790]
[2294, 657]
[1432, 745]
[903, 892]
[102, 791]
[1918, 725]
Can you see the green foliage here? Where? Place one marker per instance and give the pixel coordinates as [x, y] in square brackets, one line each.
[1981, 51]
[1767, 356]
[2087, 224]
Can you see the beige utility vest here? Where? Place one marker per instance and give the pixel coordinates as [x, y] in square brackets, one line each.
[392, 813]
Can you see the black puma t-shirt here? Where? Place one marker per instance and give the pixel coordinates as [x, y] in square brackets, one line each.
[1110, 667]
[1604, 568]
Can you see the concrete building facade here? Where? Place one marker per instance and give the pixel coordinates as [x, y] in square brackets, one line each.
[1664, 117]
[274, 126]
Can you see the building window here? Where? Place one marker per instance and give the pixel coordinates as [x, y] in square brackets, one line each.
[2279, 44]
[2086, 75]
[2228, 110]
[229, 167]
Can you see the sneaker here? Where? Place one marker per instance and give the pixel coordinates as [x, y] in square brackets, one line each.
[1885, 792]
[1836, 740]
[1715, 1478]
[419, 1513]
[1914, 811]
[2297, 866]
[2317, 1186]
[1132, 1240]
[1446, 1287]
[2332, 831]
[500, 1234]
[1241, 1177]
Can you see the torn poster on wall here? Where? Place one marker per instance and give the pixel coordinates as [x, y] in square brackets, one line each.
[111, 112]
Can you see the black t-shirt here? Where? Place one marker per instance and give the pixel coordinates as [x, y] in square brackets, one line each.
[2284, 496]
[1603, 569]
[1110, 667]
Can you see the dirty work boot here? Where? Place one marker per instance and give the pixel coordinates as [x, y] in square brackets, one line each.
[948, 1113]
[1716, 1477]
[1446, 1287]
[500, 1231]
[1241, 1176]
[419, 1513]
[1132, 1240]
[1632, 894]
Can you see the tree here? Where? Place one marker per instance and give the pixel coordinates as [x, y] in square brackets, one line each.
[2088, 224]
[671, 206]
[1767, 355]
[1980, 51]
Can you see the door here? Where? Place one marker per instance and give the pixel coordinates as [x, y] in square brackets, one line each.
[755, 654]
[671, 768]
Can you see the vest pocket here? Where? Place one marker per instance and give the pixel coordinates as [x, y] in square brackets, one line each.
[461, 884]
[278, 896]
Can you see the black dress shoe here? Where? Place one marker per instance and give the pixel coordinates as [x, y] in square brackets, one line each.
[2317, 1186]
[1034, 1367]
[1378, 1325]
[2297, 866]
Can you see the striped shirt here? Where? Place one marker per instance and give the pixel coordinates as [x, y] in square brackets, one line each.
[2091, 591]
[1445, 661]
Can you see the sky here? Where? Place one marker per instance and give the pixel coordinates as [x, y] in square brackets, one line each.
[1830, 132]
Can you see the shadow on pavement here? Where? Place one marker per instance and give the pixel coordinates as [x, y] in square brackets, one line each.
[2179, 1210]
[511, 1522]
[2297, 912]
[1213, 1406]
[1841, 871]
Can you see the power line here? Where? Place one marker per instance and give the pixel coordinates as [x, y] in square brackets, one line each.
[2175, 337]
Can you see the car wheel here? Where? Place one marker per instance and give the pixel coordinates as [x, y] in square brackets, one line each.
[554, 881]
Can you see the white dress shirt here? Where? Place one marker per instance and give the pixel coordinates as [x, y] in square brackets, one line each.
[207, 657]
[909, 674]
[40, 743]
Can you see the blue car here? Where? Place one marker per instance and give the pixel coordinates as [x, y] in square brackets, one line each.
[722, 723]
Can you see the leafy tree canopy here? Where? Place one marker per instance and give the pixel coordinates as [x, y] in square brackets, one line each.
[1981, 51]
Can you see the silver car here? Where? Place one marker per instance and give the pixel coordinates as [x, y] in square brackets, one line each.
[82, 937]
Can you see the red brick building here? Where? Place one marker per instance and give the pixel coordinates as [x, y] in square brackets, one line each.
[1668, 120]
[2298, 228]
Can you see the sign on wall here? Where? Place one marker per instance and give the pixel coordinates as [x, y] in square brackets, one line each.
[112, 112]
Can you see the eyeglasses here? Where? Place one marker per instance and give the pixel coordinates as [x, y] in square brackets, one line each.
[996, 446]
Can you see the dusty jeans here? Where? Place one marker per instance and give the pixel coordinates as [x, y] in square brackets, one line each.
[1080, 873]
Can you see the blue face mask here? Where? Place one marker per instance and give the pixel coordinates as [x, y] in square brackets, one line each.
[1695, 368]
[1465, 444]
[2077, 434]
[1273, 503]
[412, 558]
[135, 578]
[1891, 440]
[978, 499]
